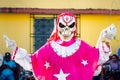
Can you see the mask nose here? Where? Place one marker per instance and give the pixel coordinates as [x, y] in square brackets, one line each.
[66, 29]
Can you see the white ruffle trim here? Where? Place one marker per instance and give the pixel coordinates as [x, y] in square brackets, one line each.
[65, 51]
[103, 57]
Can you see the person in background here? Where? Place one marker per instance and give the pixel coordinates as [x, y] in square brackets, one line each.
[112, 68]
[7, 72]
[114, 63]
[115, 67]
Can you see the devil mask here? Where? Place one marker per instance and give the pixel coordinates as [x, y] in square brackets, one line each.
[65, 28]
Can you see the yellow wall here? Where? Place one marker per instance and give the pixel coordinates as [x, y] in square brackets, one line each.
[16, 27]
[92, 25]
[19, 27]
[76, 4]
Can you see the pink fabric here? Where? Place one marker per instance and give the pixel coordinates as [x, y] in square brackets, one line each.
[66, 43]
[71, 64]
[14, 53]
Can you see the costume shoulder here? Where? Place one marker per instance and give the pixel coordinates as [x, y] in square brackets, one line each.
[88, 50]
[86, 45]
[38, 58]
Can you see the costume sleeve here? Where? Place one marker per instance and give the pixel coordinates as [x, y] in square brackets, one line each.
[23, 54]
[38, 67]
[104, 53]
[23, 58]
[105, 37]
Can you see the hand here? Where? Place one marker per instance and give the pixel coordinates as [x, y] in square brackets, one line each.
[10, 44]
[109, 33]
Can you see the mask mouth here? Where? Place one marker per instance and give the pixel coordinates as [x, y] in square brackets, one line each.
[66, 33]
[66, 36]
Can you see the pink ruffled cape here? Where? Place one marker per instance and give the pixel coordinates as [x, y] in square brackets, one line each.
[70, 66]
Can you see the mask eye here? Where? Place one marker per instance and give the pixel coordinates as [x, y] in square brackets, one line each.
[61, 25]
[72, 25]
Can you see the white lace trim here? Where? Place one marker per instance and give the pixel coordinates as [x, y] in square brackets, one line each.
[64, 51]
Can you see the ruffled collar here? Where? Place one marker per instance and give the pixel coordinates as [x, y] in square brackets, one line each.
[63, 50]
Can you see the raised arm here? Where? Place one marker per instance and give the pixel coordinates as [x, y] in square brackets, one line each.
[103, 45]
[20, 55]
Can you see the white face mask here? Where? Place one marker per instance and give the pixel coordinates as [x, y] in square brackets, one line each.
[1, 59]
[66, 27]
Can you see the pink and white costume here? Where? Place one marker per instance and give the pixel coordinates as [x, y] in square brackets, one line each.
[80, 65]
[63, 58]
[66, 60]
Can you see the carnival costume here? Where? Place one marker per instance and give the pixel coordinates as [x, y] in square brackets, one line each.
[65, 57]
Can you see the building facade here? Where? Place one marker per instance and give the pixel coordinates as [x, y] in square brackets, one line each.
[30, 22]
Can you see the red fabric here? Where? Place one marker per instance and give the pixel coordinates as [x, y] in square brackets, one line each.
[14, 53]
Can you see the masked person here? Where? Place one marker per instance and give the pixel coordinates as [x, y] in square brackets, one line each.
[65, 57]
